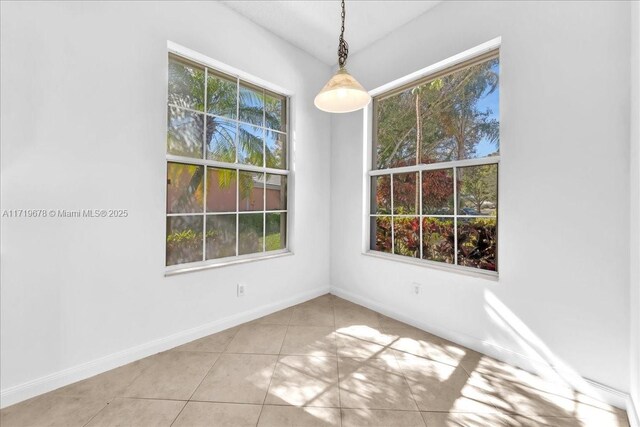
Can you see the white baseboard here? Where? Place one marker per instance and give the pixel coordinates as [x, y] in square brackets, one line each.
[20, 392]
[594, 389]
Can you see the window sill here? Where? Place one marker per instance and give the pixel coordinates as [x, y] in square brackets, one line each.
[188, 268]
[466, 271]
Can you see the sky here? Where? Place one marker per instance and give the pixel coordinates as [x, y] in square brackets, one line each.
[491, 102]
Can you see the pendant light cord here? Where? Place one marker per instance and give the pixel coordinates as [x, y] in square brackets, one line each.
[343, 46]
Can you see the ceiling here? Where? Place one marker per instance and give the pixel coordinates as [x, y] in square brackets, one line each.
[314, 26]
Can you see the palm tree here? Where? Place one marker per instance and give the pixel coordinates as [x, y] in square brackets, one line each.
[187, 90]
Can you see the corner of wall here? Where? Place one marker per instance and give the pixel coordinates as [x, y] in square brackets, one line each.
[634, 255]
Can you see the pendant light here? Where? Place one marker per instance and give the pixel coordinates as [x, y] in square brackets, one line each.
[343, 93]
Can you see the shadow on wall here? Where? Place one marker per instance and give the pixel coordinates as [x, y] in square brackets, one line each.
[545, 363]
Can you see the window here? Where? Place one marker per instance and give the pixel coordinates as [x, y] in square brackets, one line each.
[434, 177]
[227, 148]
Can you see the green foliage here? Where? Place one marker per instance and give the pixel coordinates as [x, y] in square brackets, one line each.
[273, 242]
[437, 121]
[479, 185]
[476, 239]
[182, 237]
[407, 236]
[477, 243]
[187, 89]
[438, 240]
[183, 246]
[383, 234]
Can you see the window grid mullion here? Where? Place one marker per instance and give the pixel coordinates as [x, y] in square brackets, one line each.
[393, 238]
[480, 161]
[455, 215]
[264, 176]
[237, 211]
[224, 165]
[237, 169]
[264, 213]
[419, 185]
[217, 116]
[204, 156]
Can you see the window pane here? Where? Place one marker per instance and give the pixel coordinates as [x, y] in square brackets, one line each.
[276, 234]
[274, 106]
[381, 233]
[221, 140]
[477, 243]
[437, 192]
[213, 116]
[276, 146]
[222, 97]
[251, 191]
[184, 239]
[186, 84]
[482, 134]
[381, 194]
[251, 104]
[478, 190]
[250, 145]
[184, 188]
[396, 131]
[452, 117]
[221, 236]
[438, 239]
[406, 195]
[184, 133]
[276, 192]
[250, 233]
[221, 190]
[406, 236]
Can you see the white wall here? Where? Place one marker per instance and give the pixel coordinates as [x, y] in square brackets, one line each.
[83, 126]
[83, 118]
[634, 283]
[564, 195]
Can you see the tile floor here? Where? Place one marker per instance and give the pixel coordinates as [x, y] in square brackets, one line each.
[326, 362]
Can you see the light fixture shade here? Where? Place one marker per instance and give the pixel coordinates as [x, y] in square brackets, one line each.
[342, 94]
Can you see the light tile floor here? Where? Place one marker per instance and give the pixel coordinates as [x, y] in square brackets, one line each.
[326, 362]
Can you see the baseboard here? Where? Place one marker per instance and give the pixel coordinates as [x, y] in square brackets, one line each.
[18, 393]
[594, 389]
[632, 413]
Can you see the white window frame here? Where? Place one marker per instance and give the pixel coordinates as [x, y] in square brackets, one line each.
[181, 51]
[369, 171]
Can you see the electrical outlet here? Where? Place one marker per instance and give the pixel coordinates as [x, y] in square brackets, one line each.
[416, 288]
[241, 289]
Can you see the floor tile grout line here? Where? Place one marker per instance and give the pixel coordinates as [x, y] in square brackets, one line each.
[275, 366]
[224, 402]
[335, 341]
[395, 349]
[336, 383]
[197, 387]
[233, 337]
[334, 334]
[415, 402]
[179, 413]
[95, 415]
[152, 398]
[111, 399]
[236, 353]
